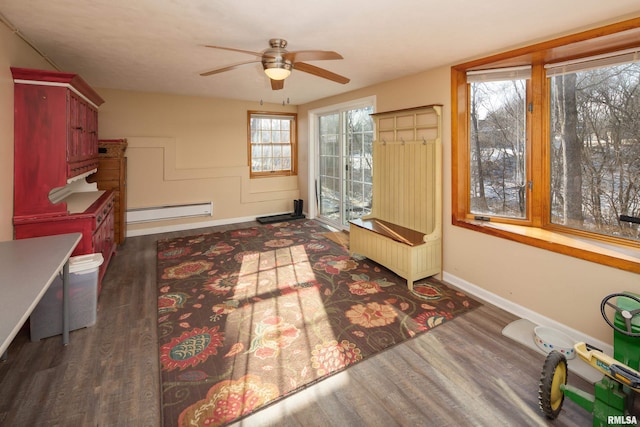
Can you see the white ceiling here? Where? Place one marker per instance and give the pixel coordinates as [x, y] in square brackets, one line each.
[158, 45]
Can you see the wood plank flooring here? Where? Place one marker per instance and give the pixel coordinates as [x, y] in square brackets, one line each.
[461, 373]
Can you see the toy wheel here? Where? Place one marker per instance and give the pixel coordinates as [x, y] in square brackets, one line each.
[554, 374]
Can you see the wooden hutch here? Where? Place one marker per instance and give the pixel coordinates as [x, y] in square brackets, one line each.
[55, 149]
[112, 175]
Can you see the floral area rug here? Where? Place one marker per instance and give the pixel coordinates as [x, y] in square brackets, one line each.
[249, 316]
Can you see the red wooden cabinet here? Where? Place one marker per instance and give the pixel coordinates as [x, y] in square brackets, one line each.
[55, 148]
[95, 224]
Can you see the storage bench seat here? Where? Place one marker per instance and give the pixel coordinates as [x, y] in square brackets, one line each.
[410, 254]
[393, 231]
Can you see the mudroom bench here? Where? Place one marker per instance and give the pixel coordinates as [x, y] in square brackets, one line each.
[404, 230]
[410, 254]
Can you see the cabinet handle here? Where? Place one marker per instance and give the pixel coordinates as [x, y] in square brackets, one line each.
[79, 128]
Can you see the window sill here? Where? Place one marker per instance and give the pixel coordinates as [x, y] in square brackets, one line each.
[271, 175]
[612, 255]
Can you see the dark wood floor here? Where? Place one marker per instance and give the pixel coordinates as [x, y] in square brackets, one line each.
[461, 373]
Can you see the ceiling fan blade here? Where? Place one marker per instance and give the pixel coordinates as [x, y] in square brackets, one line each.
[277, 84]
[230, 67]
[311, 55]
[250, 52]
[320, 72]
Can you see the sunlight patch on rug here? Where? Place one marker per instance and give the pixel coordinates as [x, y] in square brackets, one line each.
[247, 317]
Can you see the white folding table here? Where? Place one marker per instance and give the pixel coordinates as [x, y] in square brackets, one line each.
[27, 269]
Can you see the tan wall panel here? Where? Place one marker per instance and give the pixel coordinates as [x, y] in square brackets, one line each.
[186, 149]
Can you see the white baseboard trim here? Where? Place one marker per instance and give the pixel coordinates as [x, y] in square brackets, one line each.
[523, 312]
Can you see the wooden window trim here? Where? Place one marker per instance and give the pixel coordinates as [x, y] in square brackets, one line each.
[536, 230]
[293, 143]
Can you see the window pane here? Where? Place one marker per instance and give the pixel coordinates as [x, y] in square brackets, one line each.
[595, 150]
[498, 148]
[271, 143]
[265, 137]
[267, 151]
[277, 164]
[256, 165]
[345, 147]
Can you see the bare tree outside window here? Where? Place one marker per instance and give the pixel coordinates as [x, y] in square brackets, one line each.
[573, 186]
[345, 164]
[595, 150]
[498, 148]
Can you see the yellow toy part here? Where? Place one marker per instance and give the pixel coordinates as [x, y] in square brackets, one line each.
[609, 366]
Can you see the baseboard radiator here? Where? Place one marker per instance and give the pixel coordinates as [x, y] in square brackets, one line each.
[159, 213]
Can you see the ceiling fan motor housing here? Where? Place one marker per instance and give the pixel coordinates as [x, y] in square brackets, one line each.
[278, 63]
[273, 57]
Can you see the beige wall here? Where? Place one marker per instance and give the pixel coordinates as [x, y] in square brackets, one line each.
[186, 149]
[561, 288]
[13, 53]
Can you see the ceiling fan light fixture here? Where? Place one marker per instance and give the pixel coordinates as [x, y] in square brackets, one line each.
[278, 63]
[278, 69]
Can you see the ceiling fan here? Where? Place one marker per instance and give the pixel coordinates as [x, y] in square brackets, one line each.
[277, 63]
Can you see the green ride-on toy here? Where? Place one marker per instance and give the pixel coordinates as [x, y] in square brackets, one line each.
[613, 400]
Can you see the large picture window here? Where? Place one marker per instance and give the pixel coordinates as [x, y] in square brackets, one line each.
[546, 145]
[272, 143]
[595, 146]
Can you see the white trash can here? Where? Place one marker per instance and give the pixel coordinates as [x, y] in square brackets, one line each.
[46, 318]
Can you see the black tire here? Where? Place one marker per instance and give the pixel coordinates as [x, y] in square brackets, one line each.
[550, 395]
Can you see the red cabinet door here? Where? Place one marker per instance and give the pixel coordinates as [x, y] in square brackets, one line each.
[82, 143]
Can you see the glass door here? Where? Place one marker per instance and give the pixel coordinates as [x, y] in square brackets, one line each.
[345, 165]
